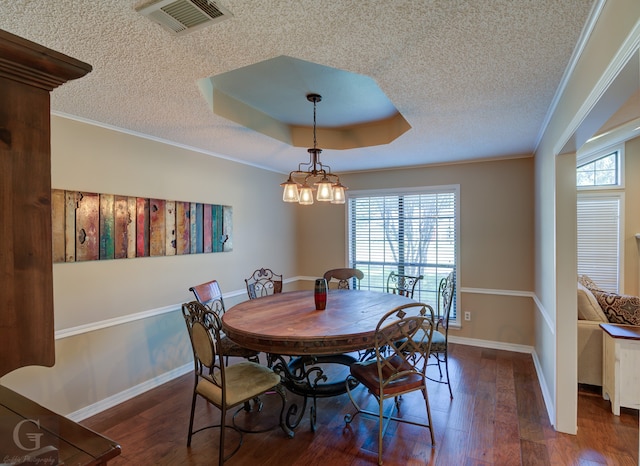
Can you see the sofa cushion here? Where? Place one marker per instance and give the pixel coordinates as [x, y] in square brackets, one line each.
[588, 307]
[619, 309]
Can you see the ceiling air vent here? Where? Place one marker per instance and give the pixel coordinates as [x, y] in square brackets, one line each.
[183, 16]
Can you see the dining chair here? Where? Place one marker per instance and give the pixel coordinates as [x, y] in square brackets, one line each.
[224, 386]
[210, 295]
[403, 285]
[398, 368]
[344, 277]
[263, 282]
[440, 339]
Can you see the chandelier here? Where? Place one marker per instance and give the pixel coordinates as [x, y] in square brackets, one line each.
[300, 185]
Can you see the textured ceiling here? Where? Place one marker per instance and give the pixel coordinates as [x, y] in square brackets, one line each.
[474, 79]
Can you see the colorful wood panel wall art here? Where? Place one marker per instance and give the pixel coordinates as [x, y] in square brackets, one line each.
[91, 226]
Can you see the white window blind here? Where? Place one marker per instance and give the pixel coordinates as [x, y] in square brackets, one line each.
[412, 233]
[598, 219]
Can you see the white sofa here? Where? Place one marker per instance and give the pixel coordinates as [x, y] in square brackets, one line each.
[596, 306]
[589, 352]
[590, 316]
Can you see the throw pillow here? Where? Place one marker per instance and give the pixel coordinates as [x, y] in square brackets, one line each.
[619, 309]
[588, 307]
[585, 281]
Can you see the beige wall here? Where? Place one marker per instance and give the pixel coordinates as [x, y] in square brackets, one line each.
[496, 240]
[90, 158]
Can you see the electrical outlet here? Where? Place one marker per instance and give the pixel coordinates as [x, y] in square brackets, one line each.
[467, 315]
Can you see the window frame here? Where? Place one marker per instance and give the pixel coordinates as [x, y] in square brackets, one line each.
[603, 192]
[453, 189]
[590, 157]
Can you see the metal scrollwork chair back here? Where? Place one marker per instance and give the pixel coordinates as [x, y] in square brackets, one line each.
[402, 342]
[263, 282]
[440, 341]
[210, 295]
[403, 285]
[344, 277]
[223, 386]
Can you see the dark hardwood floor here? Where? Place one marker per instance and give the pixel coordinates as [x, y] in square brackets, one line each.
[497, 417]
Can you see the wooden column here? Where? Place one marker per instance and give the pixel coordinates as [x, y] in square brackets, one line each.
[28, 73]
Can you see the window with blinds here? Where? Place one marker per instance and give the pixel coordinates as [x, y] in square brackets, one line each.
[412, 233]
[599, 179]
[598, 219]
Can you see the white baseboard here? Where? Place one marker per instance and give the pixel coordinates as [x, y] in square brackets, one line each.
[499, 345]
[129, 393]
[546, 394]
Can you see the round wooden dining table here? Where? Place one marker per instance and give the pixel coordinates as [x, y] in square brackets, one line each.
[289, 324]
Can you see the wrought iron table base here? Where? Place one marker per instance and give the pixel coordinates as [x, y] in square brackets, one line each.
[303, 376]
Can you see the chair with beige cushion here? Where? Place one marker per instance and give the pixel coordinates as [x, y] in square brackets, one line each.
[401, 343]
[210, 295]
[346, 278]
[224, 386]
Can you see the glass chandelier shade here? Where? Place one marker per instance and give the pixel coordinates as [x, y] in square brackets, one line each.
[325, 190]
[339, 195]
[290, 193]
[300, 185]
[306, 195]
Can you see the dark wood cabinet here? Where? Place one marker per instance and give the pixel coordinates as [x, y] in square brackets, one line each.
[28, 74]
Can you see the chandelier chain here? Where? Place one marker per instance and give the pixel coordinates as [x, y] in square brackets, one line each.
[314, 123]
